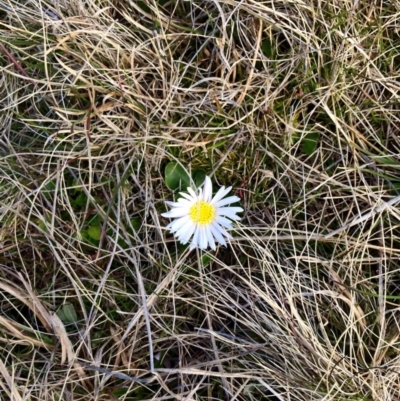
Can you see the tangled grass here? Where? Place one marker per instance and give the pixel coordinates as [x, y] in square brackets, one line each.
[293, 103]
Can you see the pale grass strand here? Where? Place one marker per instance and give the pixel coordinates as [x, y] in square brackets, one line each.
[364, 217]
[12, 390]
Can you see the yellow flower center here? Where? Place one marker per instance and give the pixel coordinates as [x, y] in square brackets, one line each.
[202, 213]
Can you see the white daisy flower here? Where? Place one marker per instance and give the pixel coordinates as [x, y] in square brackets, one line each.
[202, 216]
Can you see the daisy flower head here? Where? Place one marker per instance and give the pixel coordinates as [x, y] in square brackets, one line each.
[202, 216]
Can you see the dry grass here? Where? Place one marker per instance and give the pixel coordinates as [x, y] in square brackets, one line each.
[295, 104]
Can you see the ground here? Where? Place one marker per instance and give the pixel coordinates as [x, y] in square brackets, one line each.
[109, 109]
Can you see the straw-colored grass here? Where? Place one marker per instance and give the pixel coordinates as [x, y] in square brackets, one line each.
[293, 103]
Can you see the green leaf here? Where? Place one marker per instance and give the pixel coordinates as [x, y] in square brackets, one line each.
[48, 189]
[94, 232]
[266, 47]
[309, 143]
[198, 177]
[136, 223]
[144, 6]
[42, 225]
[84, 234]
[81, 199]
[205, 260]
[176, 177]
[68, 313]
[95, 220]
[385, 160]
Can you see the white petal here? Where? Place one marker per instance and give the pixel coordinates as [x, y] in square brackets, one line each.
[217, 234]
[226, 201]
[189, 230]
[193, 194]
[224, 222]
[210, 237]
[181, 232]
[177, 224]
[207, 191]
[188, 197]
[220, 194]
[195, 239]
[177, 212]
[184, 231]
[223, 231]
[228, 211]
[181, 202]
[234, 217]
[203, 238]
